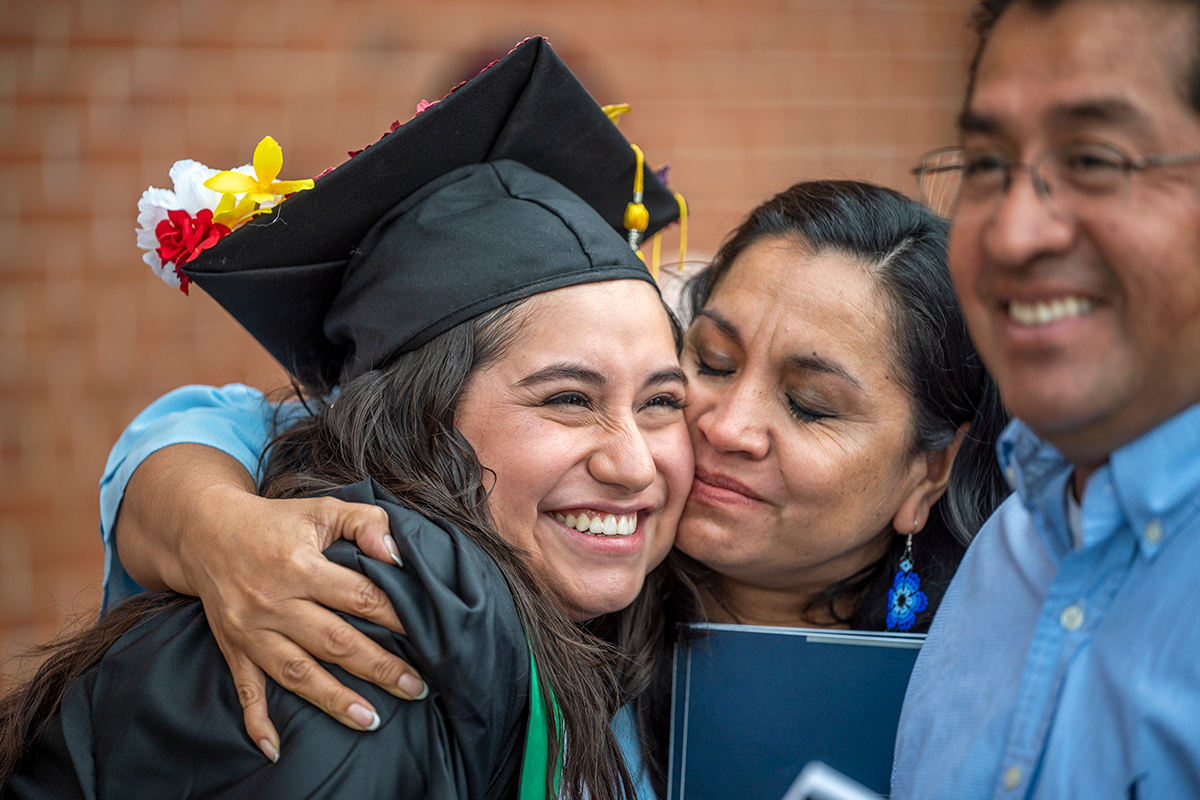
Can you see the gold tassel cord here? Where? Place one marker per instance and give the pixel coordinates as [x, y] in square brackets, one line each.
[655, 250]
[637, 218]
[683, 214]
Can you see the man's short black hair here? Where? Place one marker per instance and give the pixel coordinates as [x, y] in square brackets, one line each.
[985, 14]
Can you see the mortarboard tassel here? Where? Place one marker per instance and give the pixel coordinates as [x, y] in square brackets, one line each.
[637, 218]
[657, 246]
[682, 229]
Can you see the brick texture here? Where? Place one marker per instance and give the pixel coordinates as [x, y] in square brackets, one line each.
[99, 97]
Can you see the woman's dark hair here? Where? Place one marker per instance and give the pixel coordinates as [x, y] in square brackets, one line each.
[396, 425]
[902, 245]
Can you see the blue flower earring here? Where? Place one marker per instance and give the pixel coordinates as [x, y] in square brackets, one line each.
[905, 599]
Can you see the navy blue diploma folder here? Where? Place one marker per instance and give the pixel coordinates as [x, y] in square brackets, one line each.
[753, 705]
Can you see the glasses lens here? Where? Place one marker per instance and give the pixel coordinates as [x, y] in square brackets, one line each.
[985, 175]
[941, 180]
[1086, 169]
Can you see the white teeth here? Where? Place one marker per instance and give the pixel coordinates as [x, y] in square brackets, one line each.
[1044, 313]
[606, 525]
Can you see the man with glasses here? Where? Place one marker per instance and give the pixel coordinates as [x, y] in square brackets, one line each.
[1065, 658]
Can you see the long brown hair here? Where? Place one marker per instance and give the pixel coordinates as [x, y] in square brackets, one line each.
[396, 425]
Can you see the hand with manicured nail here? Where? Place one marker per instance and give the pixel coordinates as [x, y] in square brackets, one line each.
[267, 589]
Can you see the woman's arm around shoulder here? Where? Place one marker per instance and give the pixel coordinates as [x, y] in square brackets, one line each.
[191, 521]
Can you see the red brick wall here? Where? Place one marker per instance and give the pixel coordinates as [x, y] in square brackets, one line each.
[99, 97]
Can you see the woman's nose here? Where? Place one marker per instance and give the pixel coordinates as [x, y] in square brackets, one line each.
[624, 458]
[731, 419]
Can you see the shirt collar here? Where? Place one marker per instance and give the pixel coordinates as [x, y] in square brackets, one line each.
[1155, 479]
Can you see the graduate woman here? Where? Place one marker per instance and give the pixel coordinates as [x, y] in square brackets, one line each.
[486, 362]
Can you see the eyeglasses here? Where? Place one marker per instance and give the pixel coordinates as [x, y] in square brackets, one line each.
[1070, 178]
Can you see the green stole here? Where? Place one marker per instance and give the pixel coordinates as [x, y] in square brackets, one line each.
[537, 742]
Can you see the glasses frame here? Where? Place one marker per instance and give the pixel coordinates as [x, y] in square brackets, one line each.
[1129, 164]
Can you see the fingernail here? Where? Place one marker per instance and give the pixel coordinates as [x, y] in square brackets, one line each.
[413, 686]
[269, 750]
[366, 719]
[394, 551]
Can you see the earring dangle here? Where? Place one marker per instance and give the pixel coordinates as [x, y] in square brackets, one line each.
[905, 599]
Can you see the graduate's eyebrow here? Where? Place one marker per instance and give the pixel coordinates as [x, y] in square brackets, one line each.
[590, 377]
[558, 372]
[673, 375]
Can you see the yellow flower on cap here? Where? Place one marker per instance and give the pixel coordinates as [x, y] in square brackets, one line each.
[263, 188]
[231, 213]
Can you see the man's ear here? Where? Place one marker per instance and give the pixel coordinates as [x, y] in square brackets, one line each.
[933, 470]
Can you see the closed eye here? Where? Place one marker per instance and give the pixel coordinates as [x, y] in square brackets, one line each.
[804, 413]
[705, 369]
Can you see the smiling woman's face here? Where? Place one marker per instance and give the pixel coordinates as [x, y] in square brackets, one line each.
[580, 421]
[801, 426]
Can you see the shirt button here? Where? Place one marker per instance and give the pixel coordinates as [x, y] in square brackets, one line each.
[1012, 777]
[1154, 532]
[1072, 617]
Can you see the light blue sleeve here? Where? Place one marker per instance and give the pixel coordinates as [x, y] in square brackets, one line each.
[625, 729]
[235, 419]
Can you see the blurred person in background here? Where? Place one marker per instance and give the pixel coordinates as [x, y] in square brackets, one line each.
[1063, 662]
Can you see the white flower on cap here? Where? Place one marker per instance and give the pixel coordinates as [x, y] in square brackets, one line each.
[189, 194]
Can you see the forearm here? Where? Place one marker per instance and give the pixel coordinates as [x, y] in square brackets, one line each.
[179, 511]
[167, 492]
[234, 419]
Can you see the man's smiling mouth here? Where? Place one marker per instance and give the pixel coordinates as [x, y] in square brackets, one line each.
[1046, 312]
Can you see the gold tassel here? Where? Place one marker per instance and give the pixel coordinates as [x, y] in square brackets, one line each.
[637, 218]
[655, 250]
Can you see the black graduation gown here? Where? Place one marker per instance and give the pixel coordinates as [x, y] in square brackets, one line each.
[159, 717]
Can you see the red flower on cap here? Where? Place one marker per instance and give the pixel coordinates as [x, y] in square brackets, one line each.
[182, 237]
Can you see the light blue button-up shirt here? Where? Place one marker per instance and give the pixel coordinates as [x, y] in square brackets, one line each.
[1059, 672]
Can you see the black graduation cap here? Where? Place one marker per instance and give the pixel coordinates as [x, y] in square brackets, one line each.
[516, 183]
